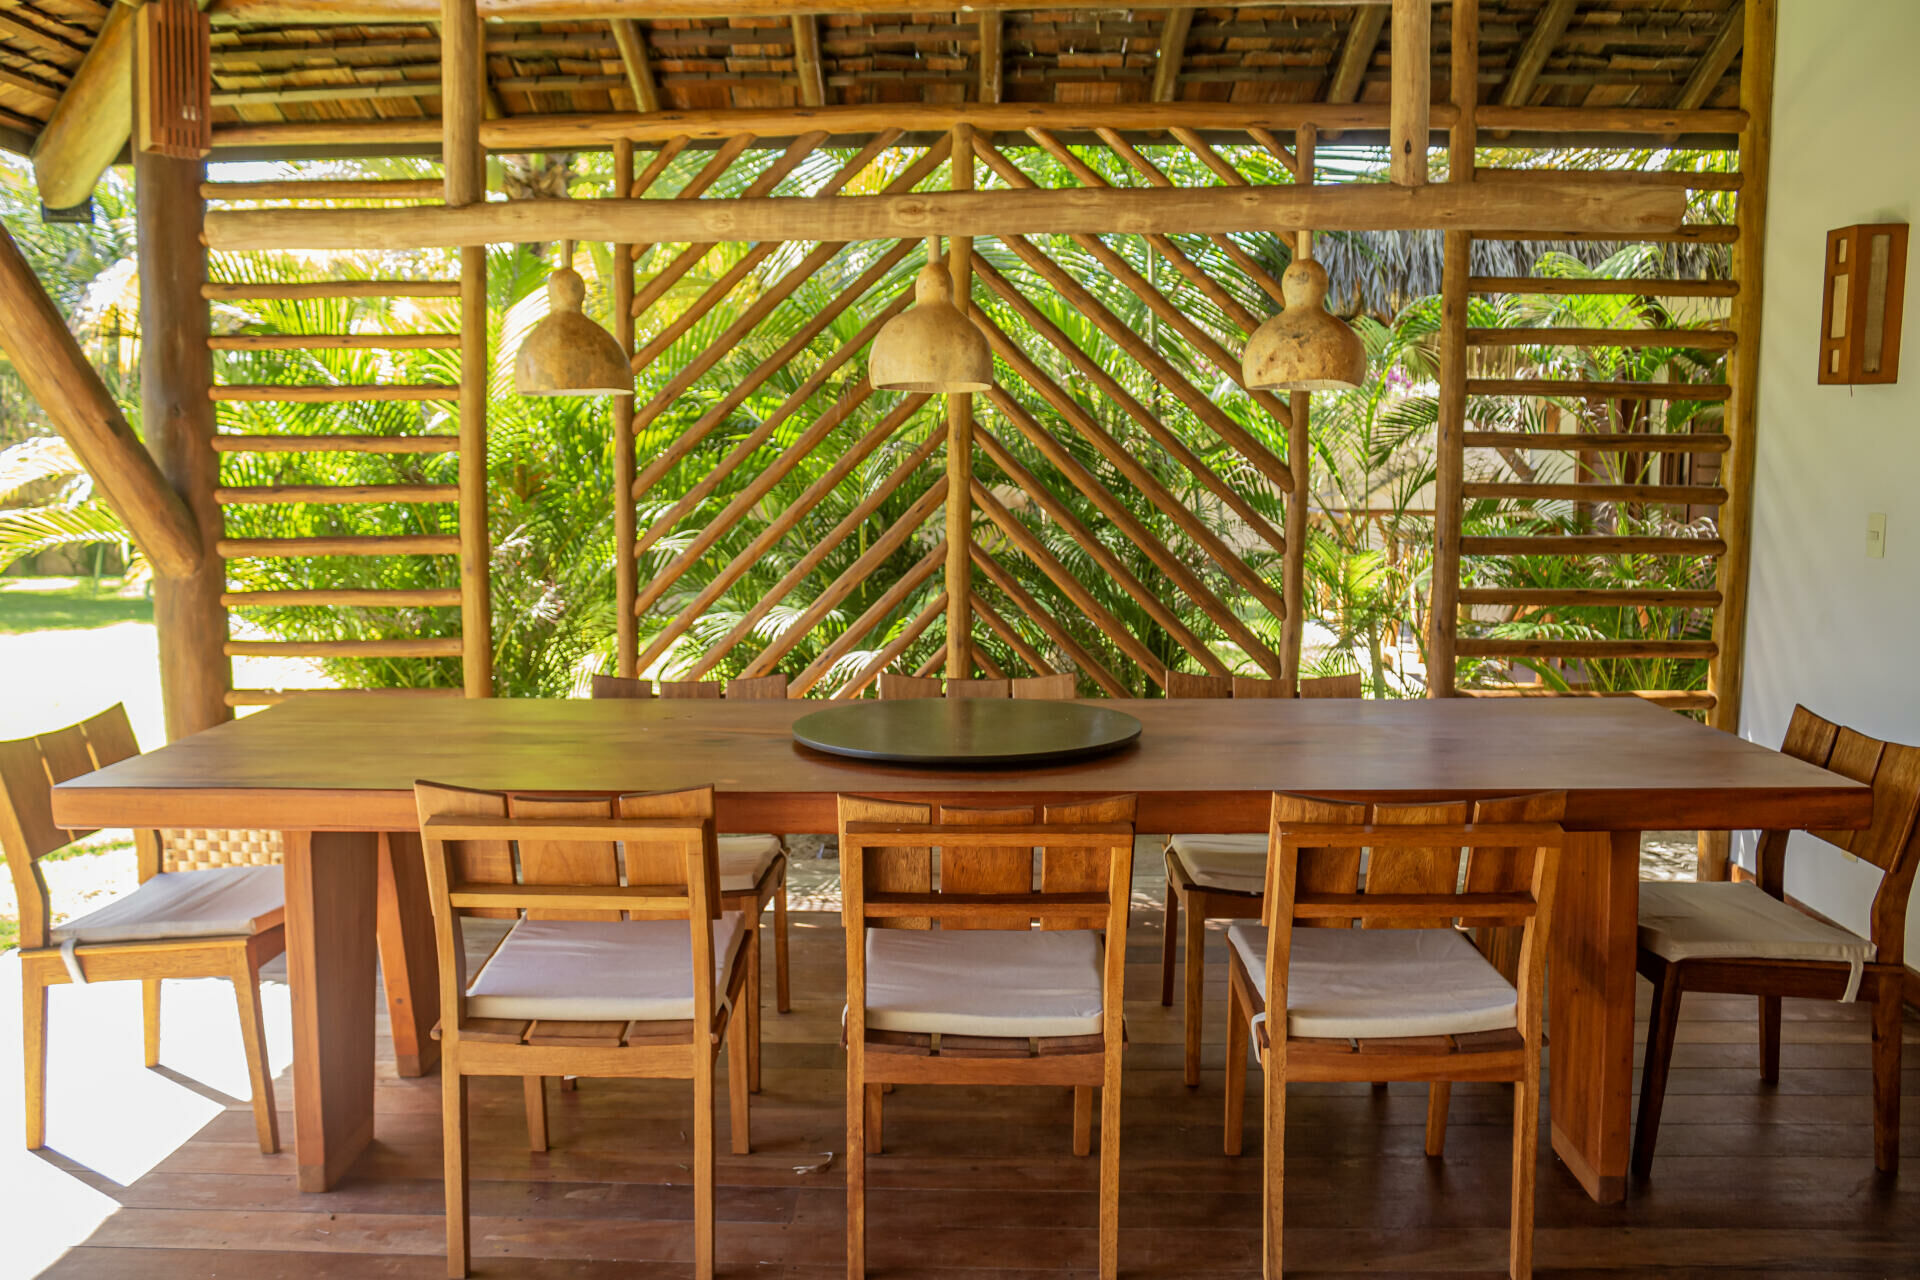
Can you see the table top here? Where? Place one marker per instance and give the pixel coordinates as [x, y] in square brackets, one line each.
[971, 733]
[1199, 765]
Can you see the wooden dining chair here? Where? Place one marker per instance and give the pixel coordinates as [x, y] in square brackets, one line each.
[620, 961]
[1742, 938]
[620, 687]
[984, 998]
[1405, 996]
[1350, 685]
[1215, 877]
[1058, 687]
[210, 904]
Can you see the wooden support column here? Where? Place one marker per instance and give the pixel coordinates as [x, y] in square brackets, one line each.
[1410, 110]
[465, 167]
[93, 119]
[1443, 618]
[960, 444]
[992, 66]
[1293, 583]
[176, 371]
[1736, 474]
[626, 569]
[56, 372]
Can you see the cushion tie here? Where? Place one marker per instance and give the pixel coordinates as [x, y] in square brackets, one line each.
[71, 958]
[1856, 969]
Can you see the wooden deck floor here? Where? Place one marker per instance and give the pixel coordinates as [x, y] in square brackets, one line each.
[1752, 1180]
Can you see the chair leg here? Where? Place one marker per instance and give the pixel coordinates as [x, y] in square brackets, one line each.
[859, 1095]
[253, 1034]
[1110, 1170]
[1770, 1039]
[750, 1012]
[1886, 1076]
[1170, 939]
[782, 994]
[703, 1170]
[1236, 1075]
[535, 1089]
[1196, 961]
[33, 1015]
[150, 1017]
[1082, 1119]
[875, 1117]
[1273, 1150]
[1439, 1096]
[1526, 1143]
[1662, 1024]
[453, 1130]
[739, 1071]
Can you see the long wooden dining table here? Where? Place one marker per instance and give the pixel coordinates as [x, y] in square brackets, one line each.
[336, 775]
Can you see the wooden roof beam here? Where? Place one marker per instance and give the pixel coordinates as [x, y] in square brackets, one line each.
[1626, 210]
[806, 61]
[57, 373]
[1356, 56]
[1173, 51]
[355, 12]
[993, 71]
[93, 119]
[1409, 115]
[1532, 58]
[1714, 63]
[633, 56]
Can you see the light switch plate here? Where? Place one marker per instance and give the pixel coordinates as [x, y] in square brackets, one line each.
[1876, 535]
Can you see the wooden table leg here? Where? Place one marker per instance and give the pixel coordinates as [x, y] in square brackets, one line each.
[408, 964]
[1590, 1007]
[331, 880]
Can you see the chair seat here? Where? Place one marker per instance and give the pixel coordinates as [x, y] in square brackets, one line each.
[1235, 864]
[744, 859]
[599, 970]
[1726, 919]
[984, 982]
[1382, 983]
[219, 902]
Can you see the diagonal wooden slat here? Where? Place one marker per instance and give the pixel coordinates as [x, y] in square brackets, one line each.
[985, 660]
[934, 662]
[667, 153]
[710, 173]
[1278, 149]
[899, 645]
[1014, 640]
[875, 613]
[822, 547]
[1098, 551]
[997, 573]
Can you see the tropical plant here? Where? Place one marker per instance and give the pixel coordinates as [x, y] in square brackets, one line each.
[47, 503]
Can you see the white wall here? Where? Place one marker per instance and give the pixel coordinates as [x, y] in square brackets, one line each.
[1827, 626]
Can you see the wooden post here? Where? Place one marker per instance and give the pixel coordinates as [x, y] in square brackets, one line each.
[1293, 584]
[465, 167]
[626, 569]
[960, 444]
[1736, 475]
[1443, 619]
[1412, 103]
[176, 370]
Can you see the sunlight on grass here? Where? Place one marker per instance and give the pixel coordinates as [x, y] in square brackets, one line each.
[69, 604]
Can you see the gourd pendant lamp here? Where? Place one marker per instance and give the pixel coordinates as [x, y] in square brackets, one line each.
[931, 347]
[1305, 347]
[567, 354]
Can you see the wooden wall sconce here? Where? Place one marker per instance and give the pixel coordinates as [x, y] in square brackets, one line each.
[1860, 315]
[173, 81]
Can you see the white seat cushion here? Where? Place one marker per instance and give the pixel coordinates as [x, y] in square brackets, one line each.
[744, 859]
[185, 904]
[599, 970]
[1237, 864]
[1382, 983]
[1725, 919]
[984, 982]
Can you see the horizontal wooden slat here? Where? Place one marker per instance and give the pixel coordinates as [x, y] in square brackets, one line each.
[1493, 647]
[274, 697]
[337, 495]
[351, 545]
[1601, 441]
[1577, 390]
[1547, 336]
[245, 290]
[1698, 233]
[328, 189]
[1590, 544]
[410, 647]
[1609, 119]
[334, 342]
[1672, 699]
[1548, 285]
[348, 597]
[333, 394]
[1474, 908]
[1705, 180]
[1547, 597]
[1688, 494]
[336, 444]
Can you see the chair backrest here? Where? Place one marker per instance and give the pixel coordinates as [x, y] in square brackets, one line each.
[895, 684]
[1085, 852]
[1313, 877]
[621, 687]
[1350, 685]
[29, 770]
[504, 854]
[757, 689]
[712, 689]
[979, 689]
[1184, 684]
[1058, 687]
[1891, 842]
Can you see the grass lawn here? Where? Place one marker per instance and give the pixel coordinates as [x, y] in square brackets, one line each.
[65, 604]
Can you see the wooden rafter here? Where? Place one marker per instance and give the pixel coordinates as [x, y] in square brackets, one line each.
[633, 59]
[93, 118]
[1173, 51]
[996, 573]
[1548, 27]
[1715, 62]
[289, 12]
[993, 68]
[1356, 54]
[807, 66]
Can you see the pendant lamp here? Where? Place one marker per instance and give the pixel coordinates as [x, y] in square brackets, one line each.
[566, 354]
[931, 347]
[1304, 348]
